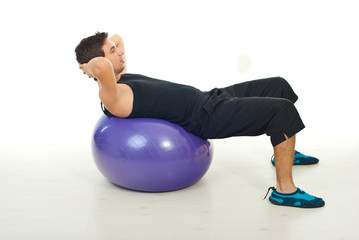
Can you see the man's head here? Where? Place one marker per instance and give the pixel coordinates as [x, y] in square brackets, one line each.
[91, 47]
[99, 45]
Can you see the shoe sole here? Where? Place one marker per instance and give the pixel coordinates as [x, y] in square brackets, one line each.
[290, 205]
[306, 163]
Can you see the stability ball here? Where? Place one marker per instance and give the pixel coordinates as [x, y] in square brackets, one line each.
[149, 155]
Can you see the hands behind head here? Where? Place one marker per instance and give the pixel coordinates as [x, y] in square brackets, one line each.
[95, 66]
[86, 70]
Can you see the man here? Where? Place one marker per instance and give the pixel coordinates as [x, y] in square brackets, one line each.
[246, 109]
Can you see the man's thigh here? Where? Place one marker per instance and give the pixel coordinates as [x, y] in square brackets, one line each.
[250, 116]
[275, 87]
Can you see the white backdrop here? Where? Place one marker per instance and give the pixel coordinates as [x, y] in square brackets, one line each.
[313, 44]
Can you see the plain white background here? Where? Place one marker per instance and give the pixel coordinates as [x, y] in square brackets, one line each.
[49, 108]
[313, 44]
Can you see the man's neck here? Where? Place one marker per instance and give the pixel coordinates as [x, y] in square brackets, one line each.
[117, 77]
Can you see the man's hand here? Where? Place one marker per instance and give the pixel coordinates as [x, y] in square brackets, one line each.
[117, 39]
[85, 68]
[94, 66]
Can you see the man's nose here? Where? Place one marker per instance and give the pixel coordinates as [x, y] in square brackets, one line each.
[120, 52]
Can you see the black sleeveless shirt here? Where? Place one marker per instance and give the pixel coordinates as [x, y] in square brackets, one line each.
[154, 98]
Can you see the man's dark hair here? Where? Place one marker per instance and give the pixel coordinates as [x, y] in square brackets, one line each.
[90, 47]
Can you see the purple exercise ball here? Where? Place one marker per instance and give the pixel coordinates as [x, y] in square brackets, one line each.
[149, 155]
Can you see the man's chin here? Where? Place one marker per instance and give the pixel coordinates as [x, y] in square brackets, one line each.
[119, 70]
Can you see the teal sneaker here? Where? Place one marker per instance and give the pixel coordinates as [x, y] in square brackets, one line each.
[299, 199]
[301, 159]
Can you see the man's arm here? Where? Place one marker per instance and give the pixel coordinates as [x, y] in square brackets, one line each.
[101, 69]
[117, 39]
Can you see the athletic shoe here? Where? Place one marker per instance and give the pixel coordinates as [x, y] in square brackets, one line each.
[299, 199]
[301, 159]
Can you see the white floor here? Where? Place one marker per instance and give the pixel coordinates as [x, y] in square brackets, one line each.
[54, 191]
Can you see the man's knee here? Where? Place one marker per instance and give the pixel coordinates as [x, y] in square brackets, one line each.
[285, 88]
[285, 109]
[280, 82]
[286, 105]
[286, 123]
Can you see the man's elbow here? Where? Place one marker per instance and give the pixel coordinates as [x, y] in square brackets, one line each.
[100, 66]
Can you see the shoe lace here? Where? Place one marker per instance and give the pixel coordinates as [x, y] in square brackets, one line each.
[270, 188]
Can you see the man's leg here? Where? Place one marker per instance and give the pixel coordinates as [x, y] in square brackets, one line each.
[284, 153]
[253, 116]
[270, 87]
[286, 193]
[276, 87]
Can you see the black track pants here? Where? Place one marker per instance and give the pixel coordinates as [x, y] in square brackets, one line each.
[252, 108]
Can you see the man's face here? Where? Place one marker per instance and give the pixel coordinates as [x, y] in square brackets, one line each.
[115, 55]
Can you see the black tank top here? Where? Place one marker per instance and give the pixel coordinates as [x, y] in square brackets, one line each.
[154, 98]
